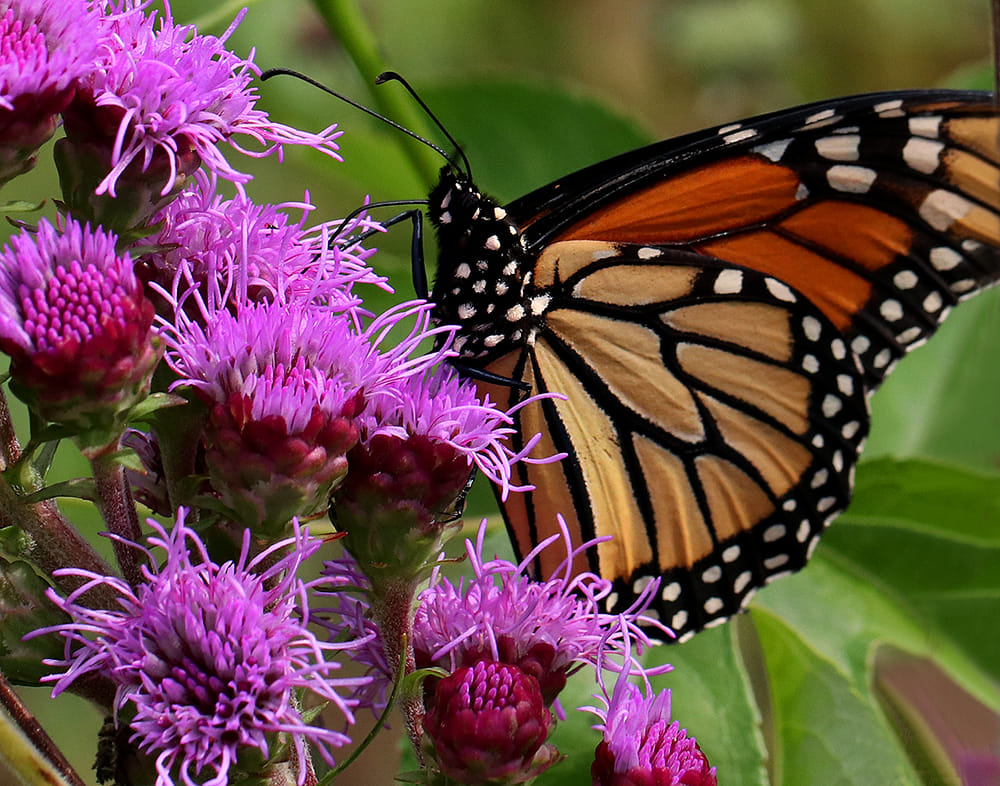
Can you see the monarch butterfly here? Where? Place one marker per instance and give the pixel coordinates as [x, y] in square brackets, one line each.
[717, 309]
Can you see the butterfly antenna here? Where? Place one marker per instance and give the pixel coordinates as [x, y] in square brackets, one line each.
[392, 76]
[309, 80]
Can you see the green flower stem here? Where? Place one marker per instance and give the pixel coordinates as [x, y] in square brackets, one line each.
[392, 610]
[25, 747]
[52, 542]
[10, 448]
[118, 510]
[347, 24]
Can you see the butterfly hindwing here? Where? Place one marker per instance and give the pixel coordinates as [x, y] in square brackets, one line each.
[737, 452]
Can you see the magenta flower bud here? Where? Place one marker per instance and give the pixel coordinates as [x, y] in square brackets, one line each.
[45, 47]
[486, 723]
[78, 329]
[642, 746]
[414, 477]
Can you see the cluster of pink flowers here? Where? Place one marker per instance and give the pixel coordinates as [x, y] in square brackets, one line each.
[213, 358]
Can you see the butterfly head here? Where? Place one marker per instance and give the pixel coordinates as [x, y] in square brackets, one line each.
[480, 279]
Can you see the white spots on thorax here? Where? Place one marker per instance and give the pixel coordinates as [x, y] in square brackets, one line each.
[492, 340]
[466, 311]
[463, 271]
[444, 218]
[539, 303]
[515, 313]
[850, 179]
[479, 287]
[510, 268]
[499, 213]
[492, 243]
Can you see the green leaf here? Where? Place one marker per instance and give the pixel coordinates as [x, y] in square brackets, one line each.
[81, 488]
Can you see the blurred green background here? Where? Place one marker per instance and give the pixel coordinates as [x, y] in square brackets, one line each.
[654, 68]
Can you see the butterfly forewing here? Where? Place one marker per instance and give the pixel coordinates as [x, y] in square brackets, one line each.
[717, 309]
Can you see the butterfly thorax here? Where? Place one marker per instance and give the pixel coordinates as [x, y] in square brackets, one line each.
[480, 275]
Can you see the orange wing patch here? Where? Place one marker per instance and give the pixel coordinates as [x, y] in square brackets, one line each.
[688, 206]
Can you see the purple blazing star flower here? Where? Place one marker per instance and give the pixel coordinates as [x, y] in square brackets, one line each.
[421, 439]
[235, 250]
[208, 655]
[158, 104]
[282, 383]
[446, 411]
[642, 746]
[548, 629]
[76, 324]
[164, 82]
[46, 46]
